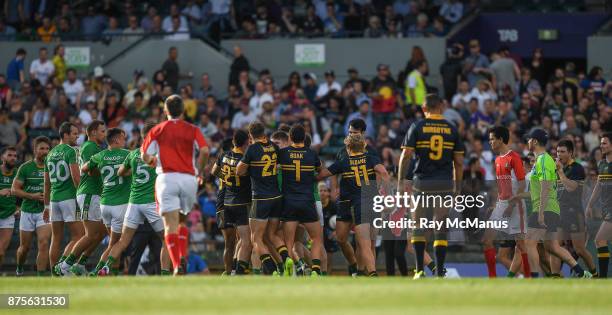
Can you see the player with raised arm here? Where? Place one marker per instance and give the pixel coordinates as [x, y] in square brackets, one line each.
[603, 190]
[570, 182]
[29, 186]
[8, 202]
[115, 188]
[88, 200]
[544, 221]
[171, 147]
[236, 202]
[509, 207]
[358, 172]
[260, 162]
[141, 206]
[299, 164]
[62, 177]
[439, 162]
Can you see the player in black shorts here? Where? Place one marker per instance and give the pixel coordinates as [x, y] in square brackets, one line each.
[439, 155]
[236, 202]
[259, 162]
[570, 182]
[299, 164]
[603, 188]
[228, 250]
[358, 186]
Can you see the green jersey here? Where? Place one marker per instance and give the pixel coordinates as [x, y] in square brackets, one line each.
[115, 188]
[142, 190]
[90, 185]
[57, 164]
[544, 170]
[33, 178]
[8, 205]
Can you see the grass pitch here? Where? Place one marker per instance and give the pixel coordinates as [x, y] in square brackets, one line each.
[330, 295]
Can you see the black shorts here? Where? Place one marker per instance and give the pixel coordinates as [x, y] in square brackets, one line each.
[353, 211]
[551, 219]
[573, 220]
[507, 244]
[303, 211]
[236, 215]
[264, 209]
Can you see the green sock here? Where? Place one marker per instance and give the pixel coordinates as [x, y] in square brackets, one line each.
[166, 272]
[110, 261]
[71, 259]
[41, 273]
[61, 259]
[256, 271]
[301, 262]
[115, 271]
[324, 273]
[83, 260]
[99, 266]
[19, 268]
[510, 274]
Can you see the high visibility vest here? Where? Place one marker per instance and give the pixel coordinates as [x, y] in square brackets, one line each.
[419, 91]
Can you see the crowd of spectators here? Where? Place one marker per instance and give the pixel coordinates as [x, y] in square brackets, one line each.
[178, 20]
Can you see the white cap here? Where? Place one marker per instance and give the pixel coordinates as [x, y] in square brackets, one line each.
[98, 72]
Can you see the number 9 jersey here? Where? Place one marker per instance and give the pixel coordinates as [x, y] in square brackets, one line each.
[435, 141]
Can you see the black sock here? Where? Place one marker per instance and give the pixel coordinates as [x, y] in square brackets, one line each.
[603, 257]
[267, 264]
[316, 265]
[440, 251]
[234, 264]
[419, 253]
[577, 269]
[432, 266]
[361, 272]
[352, 269]
[242, 267]
[535, 274]
[283, 252]
[372, 274]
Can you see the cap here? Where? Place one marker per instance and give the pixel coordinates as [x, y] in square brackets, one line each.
[310, 75]
[538, 134]
[330, 73]
[98, 72]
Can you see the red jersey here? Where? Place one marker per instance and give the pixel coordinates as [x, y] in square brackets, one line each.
[175, 144]
[509, 170]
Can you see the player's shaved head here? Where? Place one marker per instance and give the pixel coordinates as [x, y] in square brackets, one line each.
[240, 138]
[432, 101]
[174, 106]
[257, 130]
[355, 143]
[297, 134]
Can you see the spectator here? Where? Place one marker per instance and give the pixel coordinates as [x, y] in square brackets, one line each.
[11, 134]
[220, 15]
[132, 32]
[451, 71]
[205, 89]
[207, 127]
[92, 24]
[319, 125]
[196, 265]
[417, 54]
[41, 115]
[293, 85]
[7, 32]
[194, 13]
[190, 105]
[311, 24]
[258, 99]
[451, 11]
[15, 75]
[354, 77]
[147, 21]
[288, 21]
[6, 94]
[333, 23]
[42, 69]
[168, 24]
[416, 89]
[384, 95]
[59, 63]
[506, 114]
[73, 87]
[243, 118]
[65, 30]
[365, 114]
[240, 64]
[483, 92]
[591, 138]
[19, 113]
[47, 30]
[528, 85]
[88, 113]
[176, 30]
[538, 71]
[171, 69]
[374, 29]
[463, 96]
[593, 81]
[311, 87]
[113, 112]
[420, 28]
[113, 31]
[504, 73]
[475, 66]
[329, 85]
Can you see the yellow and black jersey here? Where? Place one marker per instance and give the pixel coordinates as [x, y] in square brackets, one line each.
[237, 188]
[298, 165]
[435, 141]
[356, 173]
[262, 158]
[604, 175]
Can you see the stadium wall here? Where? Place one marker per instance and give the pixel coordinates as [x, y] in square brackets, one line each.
[364, 54]
[599, 50]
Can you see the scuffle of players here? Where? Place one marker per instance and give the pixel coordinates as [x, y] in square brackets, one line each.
[269, 206]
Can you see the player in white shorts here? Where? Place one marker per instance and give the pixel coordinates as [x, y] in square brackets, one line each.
[141, 206]
[115, 188]
[8, 206]
[171, 147]
[510, 210]
[28, 185]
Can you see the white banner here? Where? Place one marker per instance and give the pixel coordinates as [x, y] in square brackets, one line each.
[309, 55]
[77, 57]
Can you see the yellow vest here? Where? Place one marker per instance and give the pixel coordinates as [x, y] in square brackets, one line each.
[419, 91]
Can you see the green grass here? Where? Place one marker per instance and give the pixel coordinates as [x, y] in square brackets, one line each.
[331, 295]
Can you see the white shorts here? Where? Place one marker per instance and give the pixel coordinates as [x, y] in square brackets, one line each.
[136, 214]
[319, 206]
[90, 207]
[65, 211]
[29, 222]
[113, 216]
[176, 191]
[516, 222]
[8, 223]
